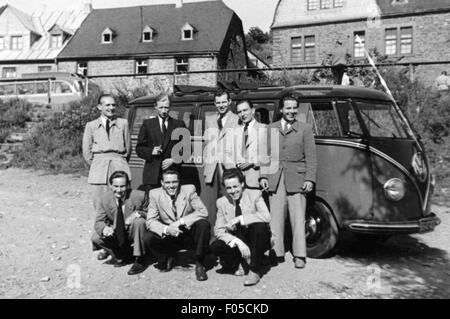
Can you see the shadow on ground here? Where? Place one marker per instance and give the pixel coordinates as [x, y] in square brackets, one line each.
[408, 267]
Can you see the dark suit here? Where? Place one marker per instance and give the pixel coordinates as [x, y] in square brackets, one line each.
[135, 201]
[150, 135]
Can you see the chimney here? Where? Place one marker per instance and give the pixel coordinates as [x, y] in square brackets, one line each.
[178, 3]
[87, 7]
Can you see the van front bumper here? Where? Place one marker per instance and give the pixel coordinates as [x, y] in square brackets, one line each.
[423, 225]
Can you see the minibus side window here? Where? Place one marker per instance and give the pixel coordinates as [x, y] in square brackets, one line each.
[323, 119]
[142, 113]
[349, 120]
[264, 112]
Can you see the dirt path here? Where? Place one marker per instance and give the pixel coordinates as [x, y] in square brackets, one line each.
[45, 228]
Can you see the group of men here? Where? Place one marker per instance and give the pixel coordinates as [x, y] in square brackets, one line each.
[165, 215]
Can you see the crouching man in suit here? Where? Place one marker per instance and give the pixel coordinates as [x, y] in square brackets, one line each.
[242, 228]
[177, 218]
[120, 223]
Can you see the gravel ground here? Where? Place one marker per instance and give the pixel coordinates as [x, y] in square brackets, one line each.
[45, 252]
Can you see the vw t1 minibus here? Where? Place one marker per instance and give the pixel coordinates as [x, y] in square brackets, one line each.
[373, 176]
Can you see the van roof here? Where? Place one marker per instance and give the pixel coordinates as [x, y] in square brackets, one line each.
[46, 75]
[201, 94]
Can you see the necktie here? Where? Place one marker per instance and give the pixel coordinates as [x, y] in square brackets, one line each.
[238, 210]
[174, 207]
[219, 122]
[107, 126]
[120, 225]
[244, 138]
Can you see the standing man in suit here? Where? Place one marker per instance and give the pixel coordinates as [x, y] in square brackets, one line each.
[120, 223]
[249, 149]
[177, 218]
[294, 179]
[106, 146]
[242, 228]
[155, 143]
[218, 133]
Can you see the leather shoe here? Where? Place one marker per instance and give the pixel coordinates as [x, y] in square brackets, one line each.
[166, 265]
[121, 263]
[251, 279]
[102, 255]
[137, 268]
[299, 262]
[200, 273]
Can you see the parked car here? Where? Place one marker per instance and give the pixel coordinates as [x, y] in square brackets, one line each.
[373, 175]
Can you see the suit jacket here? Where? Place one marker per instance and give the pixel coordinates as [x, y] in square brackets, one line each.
[214, 152]
[188, 204]
[106, 154]
[150, 135]
[255, 151]
[135, 200]
[296, 158]
[254, 210]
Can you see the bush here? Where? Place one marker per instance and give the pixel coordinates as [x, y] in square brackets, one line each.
[14, 113]
[55, 144]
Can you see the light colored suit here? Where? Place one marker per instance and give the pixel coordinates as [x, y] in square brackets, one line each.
[188, 205]
[297, 157]
[106, 154]
[297, 164]
[254, 210]
[255, 151]
[214, 151]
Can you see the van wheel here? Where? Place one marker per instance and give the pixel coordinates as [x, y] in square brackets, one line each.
[322, 231]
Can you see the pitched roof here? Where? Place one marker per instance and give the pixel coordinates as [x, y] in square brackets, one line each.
[210, 18]
[2, 8]
[388, 7]
[41, 23]
[25, 19]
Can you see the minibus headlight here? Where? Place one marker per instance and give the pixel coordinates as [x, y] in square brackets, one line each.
[394, 189]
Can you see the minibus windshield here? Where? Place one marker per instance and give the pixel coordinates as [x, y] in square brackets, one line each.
[381, 119]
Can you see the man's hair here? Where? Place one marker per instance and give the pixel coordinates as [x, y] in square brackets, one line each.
[119, 174]
[220, 92]
[170, 172]
[444, 73]
[288, 97]
[99, 101]
[245, 101]
[233, 173]
[163, 95]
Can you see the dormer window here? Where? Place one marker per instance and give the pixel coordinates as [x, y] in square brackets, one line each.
[107, 35]
[147, 34]
[56, 40]
[187, 32]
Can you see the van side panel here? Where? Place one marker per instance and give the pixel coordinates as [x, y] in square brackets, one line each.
[344, 179]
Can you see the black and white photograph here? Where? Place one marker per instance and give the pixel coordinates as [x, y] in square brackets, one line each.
[224, 150]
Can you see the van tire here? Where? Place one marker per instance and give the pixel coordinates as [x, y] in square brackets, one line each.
[322, 232]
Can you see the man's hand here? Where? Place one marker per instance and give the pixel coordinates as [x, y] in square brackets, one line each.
[231, 226]
[264, 184]
[244, 166]
[174, 230]
[167, 163]
[108, 231]
[307, 187]
[157, 150]
[245, 251]
[131, 218]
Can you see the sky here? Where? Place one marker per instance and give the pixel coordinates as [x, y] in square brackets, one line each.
[252, 12]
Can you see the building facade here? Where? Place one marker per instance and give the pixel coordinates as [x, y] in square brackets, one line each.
[172, 39]
[305, 31]
[29, 43]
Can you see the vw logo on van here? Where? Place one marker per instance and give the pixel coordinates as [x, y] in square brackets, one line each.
[419, 167]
